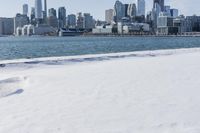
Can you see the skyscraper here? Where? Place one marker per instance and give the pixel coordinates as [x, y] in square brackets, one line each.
[161, 3]
[141, 7]
[62, 17]
[25, 9]
[119, 11]
[88, 22]
[38, 9]
[109, 15]
[131, 12]
[45, 7]
[71, 21]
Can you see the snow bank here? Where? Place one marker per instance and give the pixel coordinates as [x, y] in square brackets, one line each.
[150, 94]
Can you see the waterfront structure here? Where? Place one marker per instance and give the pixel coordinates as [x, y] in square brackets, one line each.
[161, 3]
[174, 13]
[102, 29]
[52, 18]
[25, 9]
[61, 17]
[109, 14]
[88, 22]
[6, 26]
[19, 21]
[165, 25]
[141, 8]
[132, 11]
[71, 21]
[193, 22]
[119, 11]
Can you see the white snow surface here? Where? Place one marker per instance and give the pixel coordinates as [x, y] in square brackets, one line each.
[145, 94]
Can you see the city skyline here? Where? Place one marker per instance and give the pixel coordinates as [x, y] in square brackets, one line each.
[185, 7]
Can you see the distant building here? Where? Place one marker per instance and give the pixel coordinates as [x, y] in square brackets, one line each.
[6, 26]
[19, 21]
[161, 3]
[165, 25]
[45, 9]
[109, 14]
[38, 11]
[52, 18]
[71, 21]
[62, 17]
[25, 9]
[88, 22]
[141, 8]
[119, 11]
[193, 22]
[167, 11]
[174, 13]
[32, 17]
[79, 21]
[132, 11]
[155, 13]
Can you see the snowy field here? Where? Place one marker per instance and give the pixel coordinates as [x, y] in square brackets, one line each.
[140, 92]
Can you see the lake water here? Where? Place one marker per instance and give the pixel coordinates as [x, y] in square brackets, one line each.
[35, 47]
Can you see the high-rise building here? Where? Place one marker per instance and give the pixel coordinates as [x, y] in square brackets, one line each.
[174, 13]
[38, 9]
[45, 9]
[119, 11]
[141, 8]
[167, 11]
[88, 22]
[6, 26]
[71, 21]
[126, 10]
[52, 18]
[32, 18]
[155, 13]
[62, 17]
[131, 12]
[25, 9]
[109, 14]
[79, 20]
[161, 3]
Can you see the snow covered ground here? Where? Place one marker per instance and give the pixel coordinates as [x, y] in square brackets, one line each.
[141, 92]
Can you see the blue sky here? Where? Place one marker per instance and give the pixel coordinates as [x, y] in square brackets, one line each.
[95, 7]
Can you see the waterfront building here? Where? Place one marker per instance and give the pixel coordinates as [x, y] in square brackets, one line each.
[132, 11]
[174, 13]
[119, 11]
[193, 22]
[79, 20]
[62, 17]
[102, 29]
[88, 22]
[19, 21]
[6, 26]
[71, 21]
[161, 3]
[109, 14]
[165, 25]
[25, 9]
[141, 8]
[52, 18]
